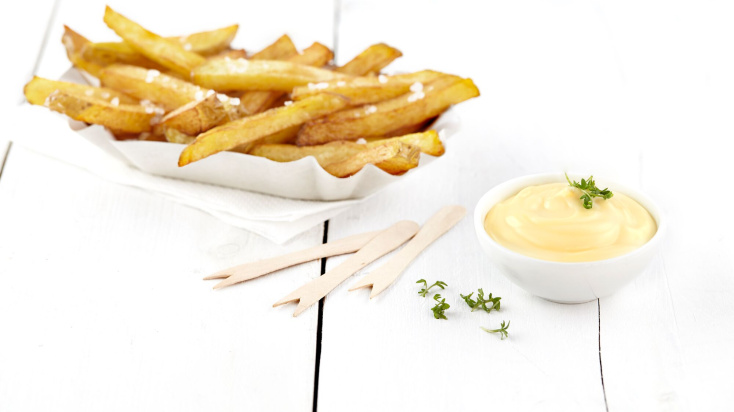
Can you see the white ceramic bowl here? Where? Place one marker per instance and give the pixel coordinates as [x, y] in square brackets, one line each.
[566, 282]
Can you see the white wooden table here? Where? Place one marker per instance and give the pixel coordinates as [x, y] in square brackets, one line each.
[101, 302]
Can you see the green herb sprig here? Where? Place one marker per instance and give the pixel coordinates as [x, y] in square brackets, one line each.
[441, 306]
[589, 190]
[487, 304]
[423, 292]
[502, 330]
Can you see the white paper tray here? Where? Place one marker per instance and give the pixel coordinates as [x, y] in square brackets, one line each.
[302, 179]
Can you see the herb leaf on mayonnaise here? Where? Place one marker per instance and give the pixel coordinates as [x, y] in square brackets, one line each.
[589, 190]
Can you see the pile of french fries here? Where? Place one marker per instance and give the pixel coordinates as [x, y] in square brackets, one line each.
[279, 103]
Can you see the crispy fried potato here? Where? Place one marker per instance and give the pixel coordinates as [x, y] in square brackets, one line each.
[325, 154]
[394, 157]
[273, 75]
[207, 43]
[150, 84]
[74, 43]
[199, 116]
[370, 61]
[402, 131]
[38, 90]
[130, 118]
[170, 54]
[256, 127]
[285, 136]
[427, 142]
[364, 90]
[174, 136]
[232, 54]
[281, 49]
[258, 101]
[381, 118]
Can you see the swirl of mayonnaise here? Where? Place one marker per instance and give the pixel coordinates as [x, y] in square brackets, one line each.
[549, 222]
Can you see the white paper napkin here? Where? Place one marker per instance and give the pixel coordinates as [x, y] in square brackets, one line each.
[275, 218]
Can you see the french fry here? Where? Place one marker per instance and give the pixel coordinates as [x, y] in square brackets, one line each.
[258, 101]
[427, 142]
[232, 54]
[170, 54]
[371, 60]
[325, 154]
[174, 136]
[403, 130]
[74, 44]
[381, 118]
[272, 75]
[365, 90]
[285, 136]
[38, 90]
[281, 49]
[256, 127]
[201, 115]
[128, 118]
[151, 84]
[207, 43]
[393, 157]
[196, 118]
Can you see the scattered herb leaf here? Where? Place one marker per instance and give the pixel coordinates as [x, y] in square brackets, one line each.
[589, 190]
[487, 304]
[423, 292]
[502, 330]
[441, 306]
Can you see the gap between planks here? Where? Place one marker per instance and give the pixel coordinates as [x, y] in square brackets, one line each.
[7, 148]
[320, 319]
[601, 368]
[319, 324]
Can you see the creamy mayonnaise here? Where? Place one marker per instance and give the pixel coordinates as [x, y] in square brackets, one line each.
[549, 222]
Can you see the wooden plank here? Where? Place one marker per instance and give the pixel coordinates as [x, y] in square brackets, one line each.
[664, 339]
[24, 29]
[260, 23]
[102, 302]
[103, 306]
[542, 98]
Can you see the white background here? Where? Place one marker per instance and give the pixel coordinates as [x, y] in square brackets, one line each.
[101, 302]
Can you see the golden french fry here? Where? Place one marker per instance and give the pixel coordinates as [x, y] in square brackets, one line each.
[165, 52]
[371, 60]
[403, 130]
[273, 75]
[285, 136]
[256, 127]
[107, 53]
[325, 154]
[129, 118]
[174, 136]
[38, 90]
[381, 118]
[393, 157]
[207, 43]
[364, 90]
[197, 118]
[281, 49]
[151, 84]
[74, 43]
[258, 101]
[427, 142]
[201, 115]
[232, 54]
